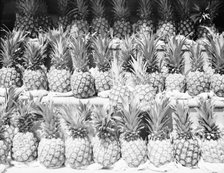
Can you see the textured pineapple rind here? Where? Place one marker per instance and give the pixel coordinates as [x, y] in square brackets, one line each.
[9, 77]
[187, 152]
[103, 81]
[59, 80]
[79, 26]
[106, 152]
[166, 28]
[117, 93]
[51, 152]
[4, 151]
[78, 152]
[185, 27]
[35, 80]
[217, 84]
[144, 25]
[100, 25]
[160, 152]
[134, 152]
[122, 28]
[175, 82]
[24, 147]
[145, 93]
[213, 151]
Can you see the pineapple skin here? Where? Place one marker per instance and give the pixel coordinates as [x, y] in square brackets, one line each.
[175, 82]
[59, 80]
[160, 152]
[213, 151]
[166, 28]
[157, 81]
[80, 26]
[134, 152]
[103, 81]
[35, 80]
[51, 152]
[4, 151]
[106, 151]
[83, 85]
[100, 25]
[144, 25]
[78, 152]
[24, 147]
[9, 77]
[187, 152]
[197, 83]
[122, 28]
[186, 27]
[217, 84]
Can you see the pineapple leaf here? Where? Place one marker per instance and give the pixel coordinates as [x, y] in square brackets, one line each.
[120, 9]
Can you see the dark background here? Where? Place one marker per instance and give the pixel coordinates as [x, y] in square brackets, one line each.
[7, 8]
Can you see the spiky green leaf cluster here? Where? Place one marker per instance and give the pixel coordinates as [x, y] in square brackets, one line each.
[183, 8]
[145, 9]
[120, 9]
[98, 8]
[81, 9]
[165, 10]
[28, 7]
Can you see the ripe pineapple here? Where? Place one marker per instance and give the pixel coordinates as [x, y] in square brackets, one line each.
[160, 149]
[186, 146]
[78, 149]
[185, 25]
[175, 62]
[122, 26]
[60, 71]
[204, 15]
[129, 120]
[145, 22]
[212, 141]
[79, 22]
[100, 24]
[197, 81]
[82, 82]
[166, 26]
[12, 50]
[214, 48]
[106, 146]
[25, 142]
[51, 149]
[34, 75]
[102, 55]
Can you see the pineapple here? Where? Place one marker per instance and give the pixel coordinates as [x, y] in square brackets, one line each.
[25, 141]
[78, 149]
[60, 71]
[11, 53]
[4, 147]
[79, 22]
[119, 89]
[82, 82]
[145, 22]
[214, 48]
[100, 24]
[27, 16]
[106, 146]
[102, 55]
[129, 121]
[51, 149]
[197, 81]
[160, 149]
[204, 15]
[186, 146]
[185, 25]
[122, 26]
[166, 26]
[212, 141]
[34, 76]
[175, 62]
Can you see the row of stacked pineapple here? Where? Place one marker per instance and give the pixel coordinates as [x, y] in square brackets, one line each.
[77, 136]
[31, 16]
[133, 64]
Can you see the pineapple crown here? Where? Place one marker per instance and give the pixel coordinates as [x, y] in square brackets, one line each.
[145, 9]
[183, 8]
[182, 120]
[28, 7]
[12, 48]
[196, 57]
[104, 123]
[102, 51]
[206, 12]
[63, 7]
[42, 10]
[129, 117]
[78, 119]
[165, 10]
[214, 46]
[35, 53]
[207, 120]
[174, 55]
[148, 45]
[98, 8]
[60, 51]
[158, 118]
[79, 51]
[81, 9]
[120, 9]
